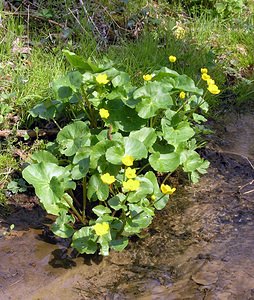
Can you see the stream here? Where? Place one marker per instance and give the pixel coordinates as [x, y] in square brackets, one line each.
[201, 246]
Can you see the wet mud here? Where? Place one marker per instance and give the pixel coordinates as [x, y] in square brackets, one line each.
[200, 247]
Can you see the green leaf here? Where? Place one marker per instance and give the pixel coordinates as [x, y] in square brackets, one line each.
[100, 210]
[72, 137]
[155, 96]
[50, 181]
[146, 188]
[185, 83]
[97, 189]
[81, 169]
[193, 162]
[134, 148]
[117, 201]
[75, 79]
[64, 92]
[78, 62]
[164, 162]
[147, 136]
[119, 244]
[195, 165]
[13, 186]
[139, 219]
[46, 110]
[65, 86]
[175, 136]
[161, 202]
[161, 199]
[98, 151]
[115, 154]
[61, 227]
[122, 116]
[104, 250]
[84, 240]
[43, 156]
[121, 79]
[198, 118]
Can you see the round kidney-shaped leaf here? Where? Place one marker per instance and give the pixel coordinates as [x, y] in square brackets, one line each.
[164, 162]
[72, 137]
[50, 181]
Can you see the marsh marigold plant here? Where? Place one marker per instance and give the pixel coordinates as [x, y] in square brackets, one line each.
[99, 177]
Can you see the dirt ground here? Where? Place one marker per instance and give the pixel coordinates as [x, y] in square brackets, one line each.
[199, 247]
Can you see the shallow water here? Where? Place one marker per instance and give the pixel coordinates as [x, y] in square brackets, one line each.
[199, 247]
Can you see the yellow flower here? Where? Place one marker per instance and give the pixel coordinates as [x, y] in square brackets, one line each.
[205, 76]
[104, 113]
[166, 189]
[130, 173]
[101, 228]
[127, 160]
[204, 70]
[131, 185]
[210, 81]
[153, 197]
[147, 77]
[213, 89]
[172, 58]
[102, 79]
[182, 95]
[107, 178]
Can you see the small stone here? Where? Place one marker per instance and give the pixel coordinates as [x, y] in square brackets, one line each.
[205, 278]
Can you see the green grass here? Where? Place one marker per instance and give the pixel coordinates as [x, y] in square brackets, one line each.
[7, 165]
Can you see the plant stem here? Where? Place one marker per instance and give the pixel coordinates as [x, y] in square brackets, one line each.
[70, 192]
[111, 189]
[166, 177]
[143, 168]
[74, 210]
[84, 199]
[57, 125]
[124, 223]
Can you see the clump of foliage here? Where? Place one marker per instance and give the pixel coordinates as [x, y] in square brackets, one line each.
[221, 8]
[99, 177]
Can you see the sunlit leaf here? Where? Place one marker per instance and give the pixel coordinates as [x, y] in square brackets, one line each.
[50, 181]
[97, 189]
[164, 162]
[84, 240]
[72, 137]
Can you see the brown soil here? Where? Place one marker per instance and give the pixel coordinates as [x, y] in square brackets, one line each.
[199, 247]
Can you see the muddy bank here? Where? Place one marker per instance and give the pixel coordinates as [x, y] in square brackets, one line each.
[199, 247]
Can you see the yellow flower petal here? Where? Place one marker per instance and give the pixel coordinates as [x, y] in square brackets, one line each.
[130, 173]
[147, 77]
[210, 81]
[104, 113]
[101, 228]
[107, 178]
[172, 58]
[182, 95]
[131, 185]
[205, 76]
[213, 89]
[166, 189]
[127, 160]
[204, 70]
[102, 79]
